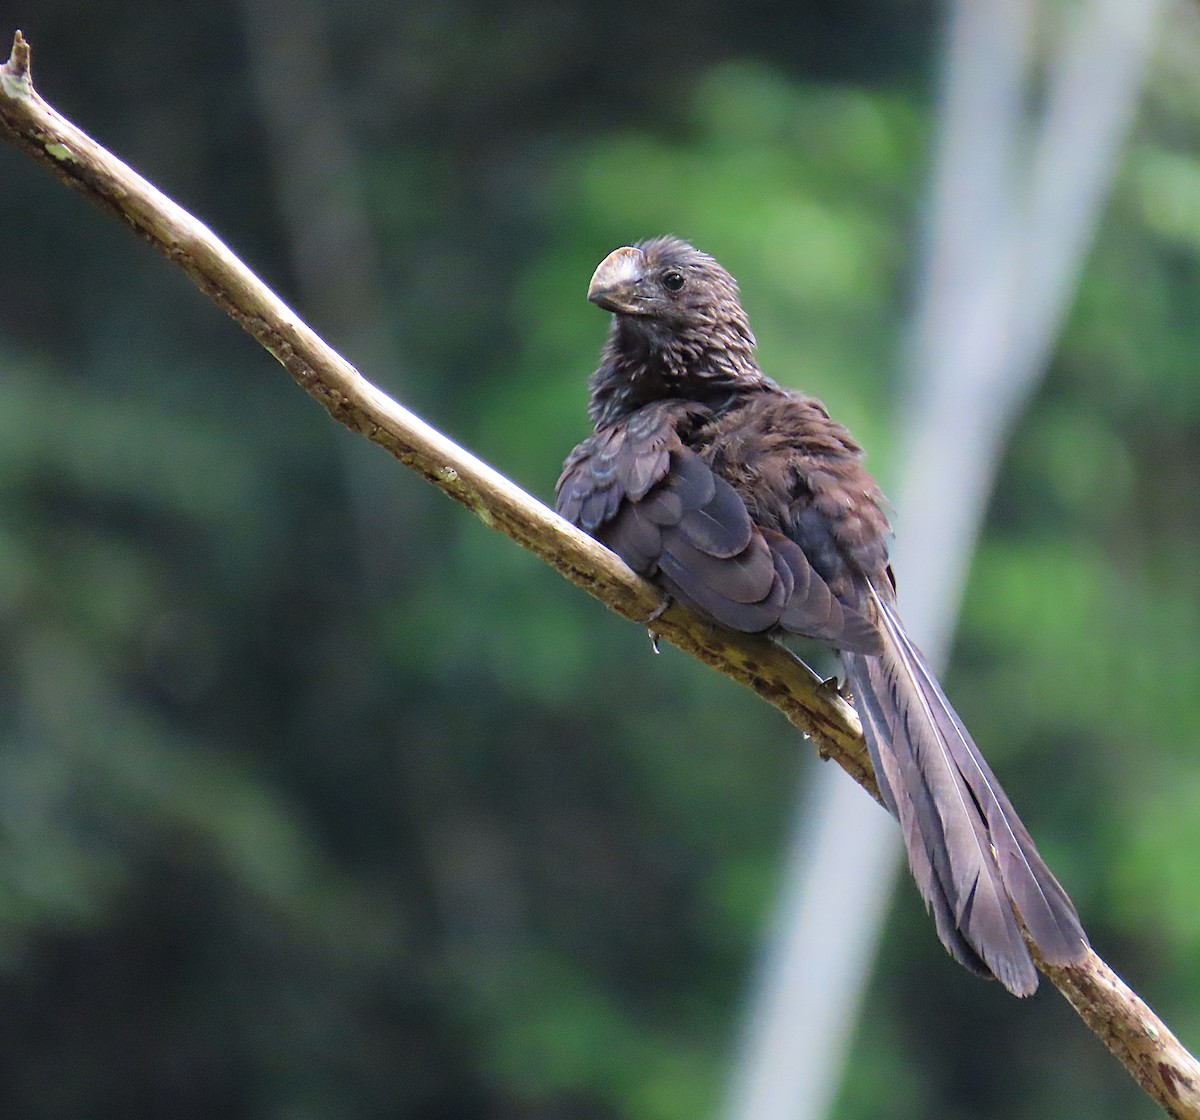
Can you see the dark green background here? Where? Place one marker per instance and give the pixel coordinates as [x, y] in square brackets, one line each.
[317, 798]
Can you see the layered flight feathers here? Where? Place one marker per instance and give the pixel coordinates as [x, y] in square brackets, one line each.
[660, 507]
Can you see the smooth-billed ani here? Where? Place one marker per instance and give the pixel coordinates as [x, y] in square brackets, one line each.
[747, 502]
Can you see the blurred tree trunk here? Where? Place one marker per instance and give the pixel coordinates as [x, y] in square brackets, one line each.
[1005, 244]
[337, 273]
[332, 247]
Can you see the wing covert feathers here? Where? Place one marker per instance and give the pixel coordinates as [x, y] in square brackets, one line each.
[657, 504]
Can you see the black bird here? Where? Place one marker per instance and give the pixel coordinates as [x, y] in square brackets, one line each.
[745, 501]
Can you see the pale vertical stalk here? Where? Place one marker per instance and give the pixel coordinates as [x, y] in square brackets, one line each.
[983, 335]
[1004, 252]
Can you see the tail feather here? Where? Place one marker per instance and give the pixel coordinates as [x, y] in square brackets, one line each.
[894, 788]
[971, 856]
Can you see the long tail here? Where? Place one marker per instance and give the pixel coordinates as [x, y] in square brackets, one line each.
[971, 856]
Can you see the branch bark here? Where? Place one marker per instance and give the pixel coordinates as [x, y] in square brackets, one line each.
[1126, 1025]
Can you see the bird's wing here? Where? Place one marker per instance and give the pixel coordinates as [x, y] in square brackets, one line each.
[636, 487]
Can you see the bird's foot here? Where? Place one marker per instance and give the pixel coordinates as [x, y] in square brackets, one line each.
[658, 611]
[835, 688]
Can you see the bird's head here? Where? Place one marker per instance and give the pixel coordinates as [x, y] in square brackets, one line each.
[678, 330]
[666, 282]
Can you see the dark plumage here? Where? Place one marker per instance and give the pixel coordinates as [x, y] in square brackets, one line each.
[747, 502]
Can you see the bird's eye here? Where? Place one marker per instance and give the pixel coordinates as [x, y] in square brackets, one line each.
[672, 280]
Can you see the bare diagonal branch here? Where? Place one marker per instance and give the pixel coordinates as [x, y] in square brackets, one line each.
[1151, 1053]
[27, 121]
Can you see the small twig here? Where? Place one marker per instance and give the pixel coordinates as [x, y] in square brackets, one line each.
[1143, 1044]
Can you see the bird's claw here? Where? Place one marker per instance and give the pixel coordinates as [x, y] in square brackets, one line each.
[653, 617]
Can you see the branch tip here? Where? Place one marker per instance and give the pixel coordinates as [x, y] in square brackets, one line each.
[16, 71]
[18, 63]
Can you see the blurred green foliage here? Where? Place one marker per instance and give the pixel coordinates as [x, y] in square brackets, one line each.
[317, 798]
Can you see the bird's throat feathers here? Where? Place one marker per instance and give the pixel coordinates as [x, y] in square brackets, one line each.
[647, 359]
